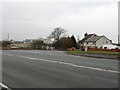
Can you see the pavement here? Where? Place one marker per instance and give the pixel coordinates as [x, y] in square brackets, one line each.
[97, 55]
[55, 69]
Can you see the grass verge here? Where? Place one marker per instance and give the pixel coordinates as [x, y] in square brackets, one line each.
[95, 52]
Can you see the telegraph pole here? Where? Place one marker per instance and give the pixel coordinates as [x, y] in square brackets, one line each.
[118, 39]
[78, 42]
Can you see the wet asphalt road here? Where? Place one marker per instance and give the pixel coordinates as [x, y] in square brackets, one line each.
[55, 69]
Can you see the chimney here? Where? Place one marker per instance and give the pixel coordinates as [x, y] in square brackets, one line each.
[85, 35]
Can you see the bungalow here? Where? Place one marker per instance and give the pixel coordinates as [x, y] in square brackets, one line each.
[93, 41]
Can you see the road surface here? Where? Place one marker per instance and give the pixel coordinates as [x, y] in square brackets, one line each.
[55, 69]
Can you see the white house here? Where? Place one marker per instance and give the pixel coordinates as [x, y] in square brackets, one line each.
[93, 41]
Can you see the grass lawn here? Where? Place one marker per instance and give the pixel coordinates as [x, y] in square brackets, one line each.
[95, 52]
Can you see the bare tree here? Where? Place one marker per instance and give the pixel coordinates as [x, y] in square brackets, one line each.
[57, 33]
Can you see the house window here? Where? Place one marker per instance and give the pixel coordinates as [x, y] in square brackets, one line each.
[86, 42]
[93, 42]
[106, 42]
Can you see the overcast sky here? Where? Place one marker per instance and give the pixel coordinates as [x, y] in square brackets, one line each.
[34, 19]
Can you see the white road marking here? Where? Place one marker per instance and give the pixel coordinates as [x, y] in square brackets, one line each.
[7, 54]
[48, 60]
[10, 55]
[20, 56]
[74, 65]
[4, 86]
[39, 59]
[71, 64]
[31, 58]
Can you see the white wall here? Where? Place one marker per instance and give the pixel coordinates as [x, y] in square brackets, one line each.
[103, 41]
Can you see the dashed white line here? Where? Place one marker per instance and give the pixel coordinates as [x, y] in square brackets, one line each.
[66, 63]
[48, 60]
[10, 55]
[38, 59]
[74, 65]
[31, 58]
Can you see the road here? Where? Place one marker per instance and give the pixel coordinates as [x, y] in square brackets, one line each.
[55, 69]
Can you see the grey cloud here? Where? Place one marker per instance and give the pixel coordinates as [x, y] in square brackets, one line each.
[31, 20]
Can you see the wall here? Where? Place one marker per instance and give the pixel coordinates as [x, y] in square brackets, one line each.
[102, 41]
[90, 44]
[98, 49]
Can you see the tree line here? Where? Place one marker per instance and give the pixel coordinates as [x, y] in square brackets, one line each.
[61, 41]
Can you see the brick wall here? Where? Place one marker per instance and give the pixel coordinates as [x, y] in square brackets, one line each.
[105, 49]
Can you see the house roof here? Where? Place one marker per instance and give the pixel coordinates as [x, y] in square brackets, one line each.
[93, 39]
[87, 37]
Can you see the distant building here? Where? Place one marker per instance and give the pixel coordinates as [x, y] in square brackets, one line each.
[48, 41]
[93, 41]
[46, 46]
[28, 41]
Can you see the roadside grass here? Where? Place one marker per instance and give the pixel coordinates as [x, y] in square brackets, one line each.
[4, 48]
[19, 45]
[95, 52]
